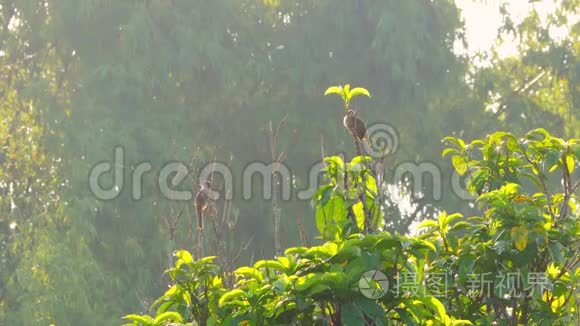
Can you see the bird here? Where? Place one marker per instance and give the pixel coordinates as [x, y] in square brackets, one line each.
[355, 126]
[202, 202]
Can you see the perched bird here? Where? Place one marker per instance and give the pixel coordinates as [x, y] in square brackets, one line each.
[202, 202]
[355, 126]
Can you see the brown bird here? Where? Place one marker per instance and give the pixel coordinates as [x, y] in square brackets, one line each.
[355, 126]
[202, 202]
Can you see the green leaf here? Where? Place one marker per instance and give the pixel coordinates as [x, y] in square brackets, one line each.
[461, 144]
[497, 136]
[371, 188]
[270, 264]
[362, 312]
[387, 243]
[450, 139]
[162, 303]
[519, 236]
[334, 90]
[576, 151]
[168, 316]
[360, 159]
[448, 151]
[359, 214]
[573, 206]
[555, 250]
[449, 219]
[295, 250]
[184, 257]
[207, 259]
[465, 263]
[538, 134]
[346, 90]
[317, 288]
[335, 160]
[552, 157]
[422, 244]
[347, 253]
[427, 224]
[323, 194]
[438, 307]
[327, 250]
[570, 163]
[250, 272]
[305, 282]
[352, 316]
[373, 310]
[335, 280]
[459, 226]
[459, 164]
[145, 320]
[231, 295]
[329, 214]
[359, 91]
[176, 288]
[405, 316]
[512, 144]
[283, 306]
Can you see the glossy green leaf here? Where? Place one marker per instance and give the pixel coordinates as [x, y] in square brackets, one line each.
[428, 224]
[459, 164]
[167, 317]
[144, 320]
[359, 91]
[334, 90]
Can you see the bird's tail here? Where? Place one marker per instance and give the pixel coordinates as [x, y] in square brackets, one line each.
[199, 211]
[368, 149]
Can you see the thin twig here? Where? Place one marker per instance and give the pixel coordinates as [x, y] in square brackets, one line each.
[277, 159]
[301, 231]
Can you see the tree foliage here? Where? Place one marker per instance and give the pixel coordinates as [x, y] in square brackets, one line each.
[524, 229]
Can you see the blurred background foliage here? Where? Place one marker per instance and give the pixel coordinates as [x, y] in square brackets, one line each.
[175, 80]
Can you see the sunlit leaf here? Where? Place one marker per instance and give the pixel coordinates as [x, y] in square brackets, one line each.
[519, 235]
[459, 164]
[439, 308]
[144, 320]
[333, 90]
[185, 255]
[346, 90]
[448, 151]
[359, 91]
[427, 224]
[168, 316]
[249, 272]
[270, 264]
[570, 163]
[231, 295]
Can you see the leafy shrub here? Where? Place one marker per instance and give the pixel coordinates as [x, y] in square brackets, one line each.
[528, 231]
